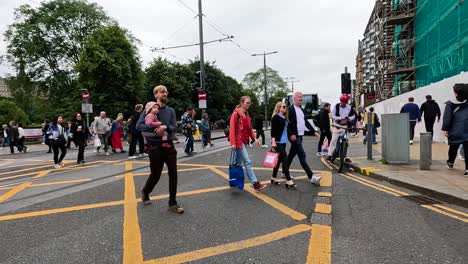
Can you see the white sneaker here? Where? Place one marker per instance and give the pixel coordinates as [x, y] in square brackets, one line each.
[319, 154]
[145, 155]
[61, 164]
[132, 157]
[57, 166]
[411, 142]
[107, 154]
[461, 157]
[95, 151]
[140, 155]
[265, 146]
[250, 145]
[315, 180]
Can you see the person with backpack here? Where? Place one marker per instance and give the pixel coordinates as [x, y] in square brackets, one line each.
[240, 132]
[455, 123]
[58, 139]
[375, 123]
[324, 125]
[342, 115]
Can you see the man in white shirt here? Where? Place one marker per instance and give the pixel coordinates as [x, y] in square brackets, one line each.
[298, 123]
[342, 114]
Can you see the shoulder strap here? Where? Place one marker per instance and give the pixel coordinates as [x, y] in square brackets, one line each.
[337, 110]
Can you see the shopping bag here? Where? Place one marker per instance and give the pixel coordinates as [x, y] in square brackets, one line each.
[236, 173]
[271, 159]
[97, 142]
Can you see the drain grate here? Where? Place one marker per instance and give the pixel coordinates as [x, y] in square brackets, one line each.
[421, 199]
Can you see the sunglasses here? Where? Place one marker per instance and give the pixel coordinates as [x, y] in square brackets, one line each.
[283, 106]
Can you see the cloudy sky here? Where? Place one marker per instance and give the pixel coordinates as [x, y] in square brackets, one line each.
[315, 39]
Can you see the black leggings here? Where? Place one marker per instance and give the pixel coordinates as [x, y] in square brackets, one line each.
[63, 149]
[453, 151]
[283, 158]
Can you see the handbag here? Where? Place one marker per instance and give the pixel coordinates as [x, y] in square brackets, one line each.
[236, 173]
[271, 159]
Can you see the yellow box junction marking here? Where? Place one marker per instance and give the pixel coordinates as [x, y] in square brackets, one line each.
[324, 194]
[50, 183]
[132, 252]
[14, 191]
[275, 204]
[320, 245]
[231, 247]
[323, 208]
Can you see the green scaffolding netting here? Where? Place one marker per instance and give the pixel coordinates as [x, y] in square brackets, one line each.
[441, 32]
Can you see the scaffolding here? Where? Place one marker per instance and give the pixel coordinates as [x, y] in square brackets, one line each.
[395, 47]
[441, 40]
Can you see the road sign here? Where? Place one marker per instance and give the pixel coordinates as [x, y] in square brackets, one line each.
[201, 95]
[87, 108]
[85, 95]
[202, 104]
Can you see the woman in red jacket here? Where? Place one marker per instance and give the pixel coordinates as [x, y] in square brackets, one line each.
[240, 133]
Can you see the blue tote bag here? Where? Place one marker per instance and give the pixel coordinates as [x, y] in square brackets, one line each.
[236, 173]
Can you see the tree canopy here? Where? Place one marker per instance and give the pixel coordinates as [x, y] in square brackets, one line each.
[109, 67]
[255, 82]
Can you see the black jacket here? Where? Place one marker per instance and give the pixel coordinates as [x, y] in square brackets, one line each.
[431, 110]
[258, 124]
[133, 123]
[80, 137]
[456, 122]
[277, 127]
[293, 121]
[324, 120]
[13, 133]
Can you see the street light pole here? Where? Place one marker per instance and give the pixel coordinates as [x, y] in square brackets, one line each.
[264, 54]
[202, 55]
[292, 79]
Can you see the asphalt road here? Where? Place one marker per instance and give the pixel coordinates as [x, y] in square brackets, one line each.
[92, 214]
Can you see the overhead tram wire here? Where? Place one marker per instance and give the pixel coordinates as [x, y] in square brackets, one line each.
[215, 27]
[191, 45]
[177, 30]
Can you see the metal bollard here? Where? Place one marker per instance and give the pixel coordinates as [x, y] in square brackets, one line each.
[369, 135]
[425, 159]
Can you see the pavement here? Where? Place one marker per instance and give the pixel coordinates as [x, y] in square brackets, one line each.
[92, 214]
[439, 182]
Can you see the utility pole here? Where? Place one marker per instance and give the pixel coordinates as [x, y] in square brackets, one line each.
[292, 80]
[264, 54]
[202, 57]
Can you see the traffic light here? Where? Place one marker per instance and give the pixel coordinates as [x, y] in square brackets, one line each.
[197, 81]
[346, 83]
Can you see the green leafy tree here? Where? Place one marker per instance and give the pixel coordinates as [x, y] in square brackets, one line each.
[46, 42]
[176, 77]
[110, 69]
[255, 82]
[10, 111]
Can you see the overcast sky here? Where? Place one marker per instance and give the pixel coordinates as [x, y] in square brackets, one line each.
[315, 39]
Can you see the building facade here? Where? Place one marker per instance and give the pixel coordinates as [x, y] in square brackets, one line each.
[409, 44]
[4, 90]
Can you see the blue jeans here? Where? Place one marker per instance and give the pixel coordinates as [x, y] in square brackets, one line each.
[5, 142]
[374, 133]
[243, 157]
[189, 142]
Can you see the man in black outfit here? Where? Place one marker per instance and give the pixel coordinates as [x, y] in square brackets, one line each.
[324, 125]
[158, 154]
[431, 110]
[136, 135]
[258, 125]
